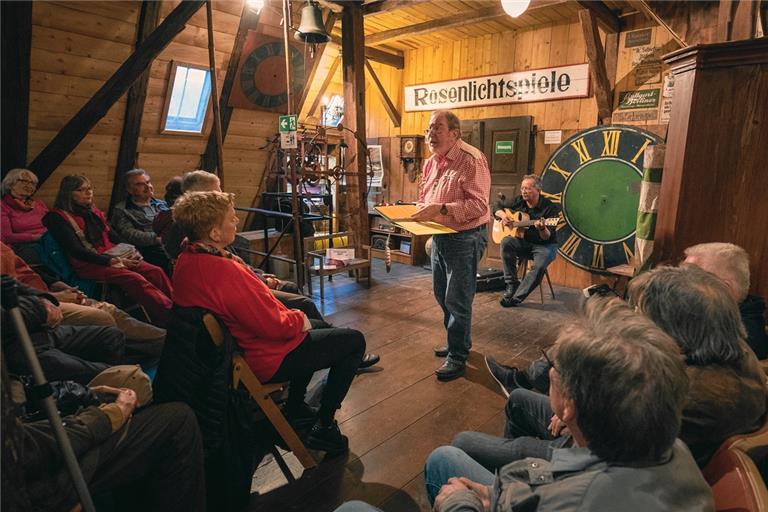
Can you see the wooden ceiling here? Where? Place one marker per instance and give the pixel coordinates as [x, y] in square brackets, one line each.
[416, 23]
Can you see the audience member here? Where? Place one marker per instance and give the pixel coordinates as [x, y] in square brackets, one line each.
[66, 352]
[132, 219]
[145, 341]
[696, 310]
[22, 214]
[148, 459]
[164, 219]
[279, 343]
[618, 384]
[730, 263]
[81, 230]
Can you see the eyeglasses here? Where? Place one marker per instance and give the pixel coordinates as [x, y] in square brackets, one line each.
[550, 363]
[435, 128]
[29, 182]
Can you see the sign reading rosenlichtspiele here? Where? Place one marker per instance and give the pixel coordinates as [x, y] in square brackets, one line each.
[519, 87]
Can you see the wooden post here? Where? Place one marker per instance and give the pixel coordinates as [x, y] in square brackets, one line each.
[596, 57]
[134, 108]
[97, 107]
[298, 240]
[215, 96]
[353, 65]
[248, 20]
[16, 49]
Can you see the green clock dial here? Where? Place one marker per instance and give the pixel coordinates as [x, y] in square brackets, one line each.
[595, 176]
[262, 76]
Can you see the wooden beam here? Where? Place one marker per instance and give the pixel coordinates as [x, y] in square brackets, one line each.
[645, 9]
[329, 22]
[596, 57]
[324, 86]
[215, 95]
[16, 50]
[149, 16]
[448, 22]
[395, 60]
[724, 20]
[97, 107]
[605, 17]
[392, 111]
[249, 19]
[353, 68]
[387, 5]
[744, 20]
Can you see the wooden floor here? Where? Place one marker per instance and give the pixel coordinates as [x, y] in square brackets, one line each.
[396, 416]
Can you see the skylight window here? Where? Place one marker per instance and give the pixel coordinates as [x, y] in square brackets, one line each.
[189, 92]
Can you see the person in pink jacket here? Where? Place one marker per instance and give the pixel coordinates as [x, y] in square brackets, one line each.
[22, 214]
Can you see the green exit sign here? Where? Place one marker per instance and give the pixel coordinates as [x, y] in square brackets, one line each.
[505, 146]
[288, 123]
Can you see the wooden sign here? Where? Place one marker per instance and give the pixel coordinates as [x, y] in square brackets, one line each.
[545, 84]
[260, 81]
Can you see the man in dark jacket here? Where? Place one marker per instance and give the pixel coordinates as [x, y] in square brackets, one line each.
[66, 352]
[132, 219]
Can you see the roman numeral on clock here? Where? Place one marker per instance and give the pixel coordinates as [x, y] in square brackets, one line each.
[581, 148]
[555, 198]
[571, 245]
[598, 256]
[554, 167]
[611, 143]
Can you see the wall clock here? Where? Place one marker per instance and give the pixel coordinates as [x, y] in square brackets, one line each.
[262, 75]
[595, 176]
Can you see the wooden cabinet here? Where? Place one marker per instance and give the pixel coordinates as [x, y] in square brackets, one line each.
[405, 247]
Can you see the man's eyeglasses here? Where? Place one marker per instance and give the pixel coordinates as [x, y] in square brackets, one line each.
[435, 129]
[550, 363]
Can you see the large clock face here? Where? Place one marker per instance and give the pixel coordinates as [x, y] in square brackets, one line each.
[595, 176]
[262, 77]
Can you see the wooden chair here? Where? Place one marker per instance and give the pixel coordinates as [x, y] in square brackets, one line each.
[315, 260]
[734, 476]
[262, 395]
[526, 264]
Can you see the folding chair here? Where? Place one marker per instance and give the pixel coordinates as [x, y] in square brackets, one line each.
[262, 395]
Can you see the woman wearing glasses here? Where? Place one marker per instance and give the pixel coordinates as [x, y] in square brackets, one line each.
[82, 231]
[22, 214]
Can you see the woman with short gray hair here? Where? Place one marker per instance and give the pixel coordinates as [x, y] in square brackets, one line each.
[22, 214]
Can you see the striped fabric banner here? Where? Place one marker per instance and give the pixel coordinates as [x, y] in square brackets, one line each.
[653, 166]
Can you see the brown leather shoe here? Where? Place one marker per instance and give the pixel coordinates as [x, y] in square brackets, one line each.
[369, 360]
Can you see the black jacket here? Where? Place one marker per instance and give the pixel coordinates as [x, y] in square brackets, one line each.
[752, 311]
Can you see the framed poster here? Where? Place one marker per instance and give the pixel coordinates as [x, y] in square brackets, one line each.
[376, 165]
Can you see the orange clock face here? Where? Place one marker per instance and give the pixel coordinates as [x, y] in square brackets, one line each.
[262, 77]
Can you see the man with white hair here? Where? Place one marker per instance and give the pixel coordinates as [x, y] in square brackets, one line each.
[730, 263]
[132, 219]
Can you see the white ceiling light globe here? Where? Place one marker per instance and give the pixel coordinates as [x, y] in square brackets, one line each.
[515, 7]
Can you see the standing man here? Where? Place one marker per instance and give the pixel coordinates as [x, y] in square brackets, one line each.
[539, 241]
[454, 192]
[132, 219]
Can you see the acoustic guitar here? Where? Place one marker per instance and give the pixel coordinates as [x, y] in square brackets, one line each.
[515, 225]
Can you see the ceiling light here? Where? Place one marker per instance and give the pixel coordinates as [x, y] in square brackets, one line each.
[515, 7]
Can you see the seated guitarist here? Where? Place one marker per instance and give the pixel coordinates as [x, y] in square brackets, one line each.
[539, 242]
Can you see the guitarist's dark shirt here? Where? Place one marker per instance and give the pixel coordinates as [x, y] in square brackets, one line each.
[545, 209]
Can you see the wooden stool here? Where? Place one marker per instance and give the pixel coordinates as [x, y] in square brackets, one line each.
[526, 264]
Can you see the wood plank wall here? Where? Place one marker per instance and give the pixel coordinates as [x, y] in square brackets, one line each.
[77, 45]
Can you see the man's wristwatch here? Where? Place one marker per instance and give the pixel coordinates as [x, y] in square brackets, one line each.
[444, 210]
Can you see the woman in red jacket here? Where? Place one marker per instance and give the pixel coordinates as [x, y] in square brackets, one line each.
[22, 214]
[82, 231]
[279, 344]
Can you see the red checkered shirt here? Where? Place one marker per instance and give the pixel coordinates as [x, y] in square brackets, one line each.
[461, 180]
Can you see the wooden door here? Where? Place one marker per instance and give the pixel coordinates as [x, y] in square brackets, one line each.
[506, 143]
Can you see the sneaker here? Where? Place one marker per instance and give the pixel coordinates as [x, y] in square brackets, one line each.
[510, 302]
[502, 374]
[328, 439]
[450, 370]
[301, 417]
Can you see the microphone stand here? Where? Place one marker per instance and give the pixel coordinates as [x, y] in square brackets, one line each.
[42, 390]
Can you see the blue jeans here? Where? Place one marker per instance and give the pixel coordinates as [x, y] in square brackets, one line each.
[513, 248]
[448, 462]
[526, 433]
[454, 278]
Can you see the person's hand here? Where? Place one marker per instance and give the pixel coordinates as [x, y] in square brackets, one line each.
[72, 296]
[428, 212]
[131, 262]
[454, 485]
[540, 224]
[53, 316]
[307, 324]
[557, 427]
[272, 281]
[481, 490]
[125, 398]
[116, 262]
[60, 286]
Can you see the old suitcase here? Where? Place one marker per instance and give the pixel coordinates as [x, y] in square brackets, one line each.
[490, 279]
